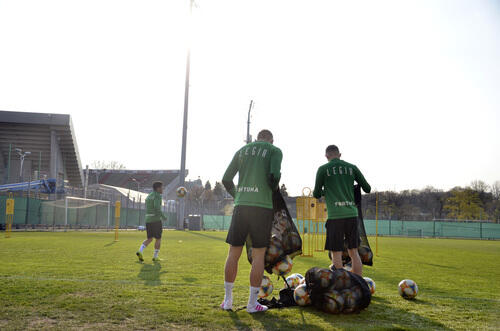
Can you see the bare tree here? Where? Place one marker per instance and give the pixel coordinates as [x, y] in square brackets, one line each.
[495, 189]
[479, 186]
[114, 165]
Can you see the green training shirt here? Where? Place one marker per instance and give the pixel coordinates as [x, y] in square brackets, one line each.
[335, 180]
[153, 208]
[258, 165]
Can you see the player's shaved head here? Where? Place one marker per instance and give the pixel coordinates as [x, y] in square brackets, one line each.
[332, 152]
[265, 135]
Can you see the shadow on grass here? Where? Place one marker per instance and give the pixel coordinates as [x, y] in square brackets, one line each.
[150, 273]
[269, 322]
[110, 244]
[205, 235]
[388, 317]
[440, 266]
[189, 279]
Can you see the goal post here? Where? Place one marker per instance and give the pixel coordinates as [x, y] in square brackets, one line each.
[78, 212]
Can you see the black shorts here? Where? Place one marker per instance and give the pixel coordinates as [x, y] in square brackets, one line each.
[340, 230]
[254, 221]
[154, 229]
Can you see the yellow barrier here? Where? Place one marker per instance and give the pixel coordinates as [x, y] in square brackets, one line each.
[117, 218]
[9, 215]
[306, 214]
[311, 220]
[320, 231]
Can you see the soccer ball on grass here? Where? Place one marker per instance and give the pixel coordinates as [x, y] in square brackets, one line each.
[408, 289]
[371, 284]
[294, 280]
[301, 295]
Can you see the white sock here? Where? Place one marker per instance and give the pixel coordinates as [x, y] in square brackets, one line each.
[156, 253]
[254, 295]
[228, 296]
[142, 248]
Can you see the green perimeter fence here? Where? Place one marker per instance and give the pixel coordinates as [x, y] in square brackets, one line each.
[35, 213]
[441, 229]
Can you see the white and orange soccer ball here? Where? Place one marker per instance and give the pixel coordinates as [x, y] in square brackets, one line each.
[266, 287]
[301, 295]
[408, 289]
[283, 267]
[181, 191]
[294, 280]
[371, 284]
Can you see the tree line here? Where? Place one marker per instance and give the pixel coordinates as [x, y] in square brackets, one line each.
[478, 201]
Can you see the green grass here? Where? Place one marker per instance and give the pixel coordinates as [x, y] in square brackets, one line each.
[83, 280]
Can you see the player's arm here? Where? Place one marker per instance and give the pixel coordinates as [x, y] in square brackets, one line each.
[360, 179]
[320, 182]
[275, 169]
[227, 179]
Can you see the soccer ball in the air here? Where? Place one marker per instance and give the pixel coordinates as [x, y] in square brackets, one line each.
[181, 191]
[371, 284]
[333, 302]
[294, 280]
[266, 287]
[301, 295]
[408, 289]
[283, 267]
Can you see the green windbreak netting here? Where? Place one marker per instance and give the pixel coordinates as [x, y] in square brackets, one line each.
[476, 230]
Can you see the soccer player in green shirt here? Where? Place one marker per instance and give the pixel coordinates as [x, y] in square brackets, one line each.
[258, 165]
[335, 181]
[154, 217]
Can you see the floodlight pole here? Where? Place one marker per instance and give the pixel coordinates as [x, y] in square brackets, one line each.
[249, 138]
[182, 181]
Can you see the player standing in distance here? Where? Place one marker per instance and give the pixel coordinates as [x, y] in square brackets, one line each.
[154, 217]
[335, 181]
[258, 165]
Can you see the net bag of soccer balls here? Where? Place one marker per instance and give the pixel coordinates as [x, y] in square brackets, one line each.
[333, 291]
[285, 241]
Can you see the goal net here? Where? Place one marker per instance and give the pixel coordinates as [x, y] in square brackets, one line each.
[78, 213]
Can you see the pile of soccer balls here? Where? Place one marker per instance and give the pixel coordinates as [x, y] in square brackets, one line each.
[293, 281]
[339, 291]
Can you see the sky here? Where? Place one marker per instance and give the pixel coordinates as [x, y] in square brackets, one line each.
[408, 90]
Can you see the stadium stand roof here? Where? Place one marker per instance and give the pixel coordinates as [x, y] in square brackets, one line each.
[49, 137]
[125, 178]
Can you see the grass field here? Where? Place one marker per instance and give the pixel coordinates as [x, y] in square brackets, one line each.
[84, 280]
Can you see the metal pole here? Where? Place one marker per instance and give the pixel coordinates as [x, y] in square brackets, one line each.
[39, 163]
[65, 213]
[86, 182]
[126, 215]
[8, 164]
[109, 214]
[376, 224]
[26, 218]
[140, 207]
[21, 168]
[249, 139]
[180, 218]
